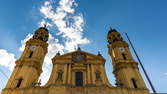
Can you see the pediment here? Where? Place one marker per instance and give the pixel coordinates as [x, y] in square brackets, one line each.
[83, 54]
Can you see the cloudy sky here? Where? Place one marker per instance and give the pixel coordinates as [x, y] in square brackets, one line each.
[85, 23]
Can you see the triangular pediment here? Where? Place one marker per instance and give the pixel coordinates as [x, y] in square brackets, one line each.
[71, 54]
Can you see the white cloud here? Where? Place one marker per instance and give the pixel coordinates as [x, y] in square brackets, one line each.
[53, 47]
[23, 42]
[7, 59]
[43, 23]
[70, 29]
[69, 24]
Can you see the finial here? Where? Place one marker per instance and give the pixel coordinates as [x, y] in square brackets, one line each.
[79, 48]
[99, 54]
[39, 83]
[58, 53]
[111, 30]
[45, 25]
[110, 27]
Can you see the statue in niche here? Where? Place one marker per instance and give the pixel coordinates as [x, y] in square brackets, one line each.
[98, 77]
[60, 75]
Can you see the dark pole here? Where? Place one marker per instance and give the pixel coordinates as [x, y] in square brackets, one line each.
[152, 87]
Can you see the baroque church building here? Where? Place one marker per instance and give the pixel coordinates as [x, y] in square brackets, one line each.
[76, 72]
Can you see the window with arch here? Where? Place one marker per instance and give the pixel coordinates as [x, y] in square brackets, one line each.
[134, 83]
[115, 39]
[19, 82]
[31, 53]
[124, 56]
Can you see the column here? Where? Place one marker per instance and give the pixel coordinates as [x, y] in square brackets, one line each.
[69, 74]
[65, 74]
[73, 78]
[54, 75]
[88, 73]
[93, 74]
[103, 76]
[84, 78]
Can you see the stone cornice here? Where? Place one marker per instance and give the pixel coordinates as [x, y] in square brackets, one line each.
[118, 44]
[30, 63]
[121, 65]
[36, 42]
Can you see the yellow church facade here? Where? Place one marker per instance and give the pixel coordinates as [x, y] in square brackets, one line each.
[77, 72]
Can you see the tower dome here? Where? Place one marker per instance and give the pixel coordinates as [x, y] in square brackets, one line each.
[41, 34]
[113, 36]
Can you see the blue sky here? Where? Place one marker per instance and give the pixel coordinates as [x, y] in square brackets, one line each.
[144, 20]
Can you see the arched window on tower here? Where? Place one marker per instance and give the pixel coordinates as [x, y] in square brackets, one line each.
[124, 56]
[19, 82]
[31, 53]
[115, 39]
[134, 83]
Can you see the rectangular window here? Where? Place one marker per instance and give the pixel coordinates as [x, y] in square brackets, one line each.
[79, 79]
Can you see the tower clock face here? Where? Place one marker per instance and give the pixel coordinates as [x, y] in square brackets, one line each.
[121, 49]
[78, 57]
[33, 47]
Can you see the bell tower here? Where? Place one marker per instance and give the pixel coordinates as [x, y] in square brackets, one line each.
[125, 68]
[29, 66]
